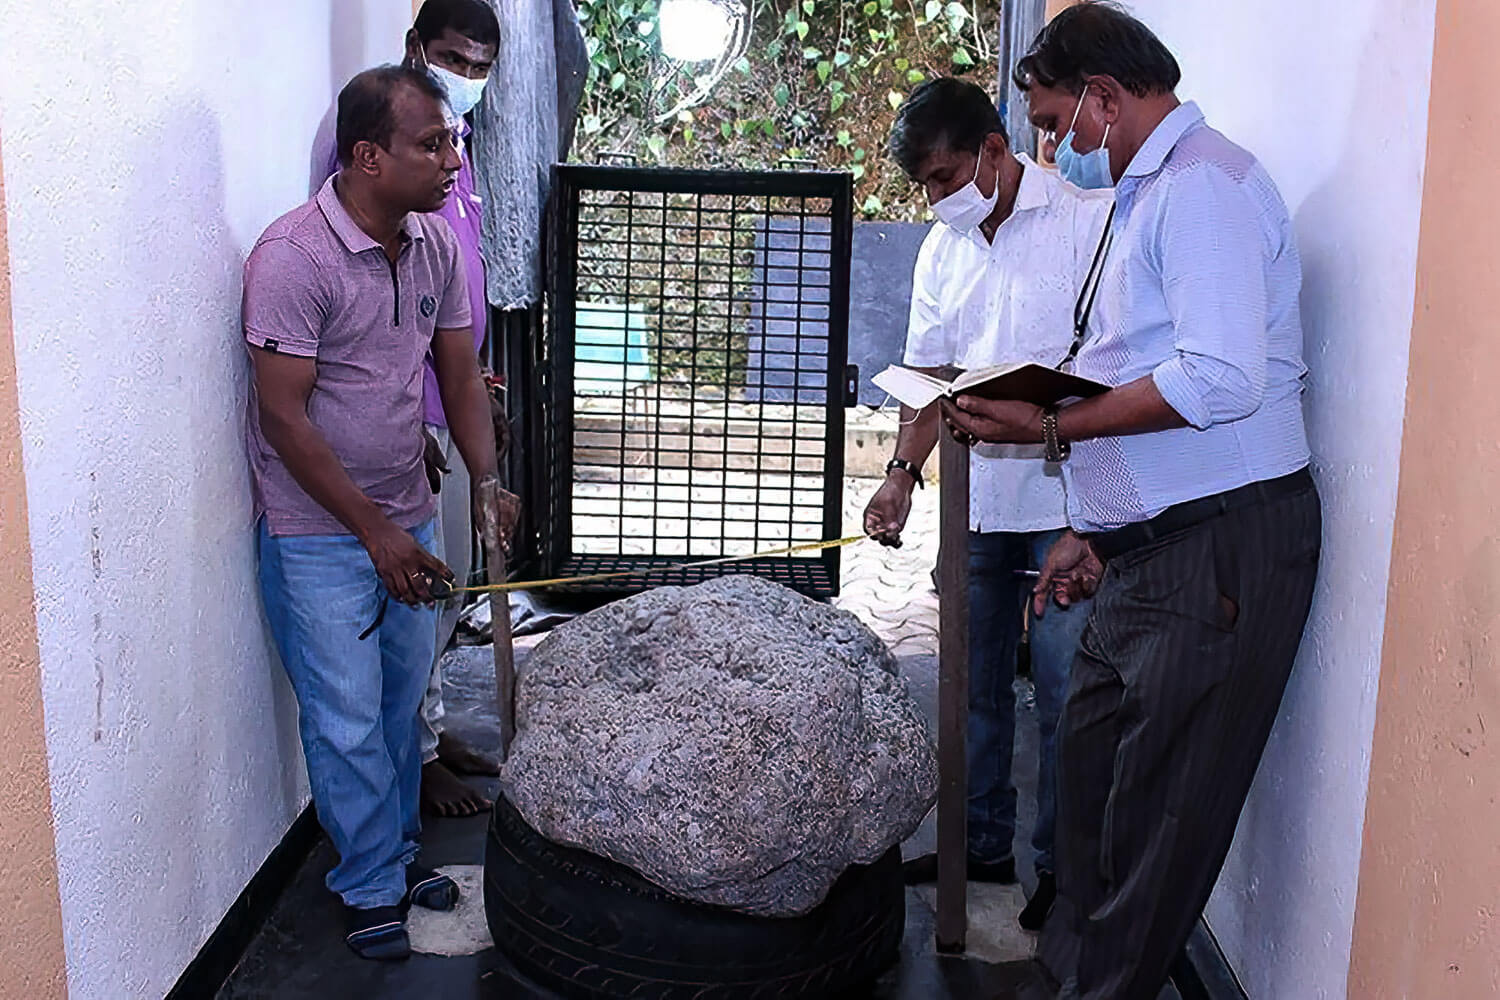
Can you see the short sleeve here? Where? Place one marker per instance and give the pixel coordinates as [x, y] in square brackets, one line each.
[285, 304]
[454, 312]
[927, 343]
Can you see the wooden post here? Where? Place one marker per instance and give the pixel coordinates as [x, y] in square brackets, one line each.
[953, 696]
[505, 653]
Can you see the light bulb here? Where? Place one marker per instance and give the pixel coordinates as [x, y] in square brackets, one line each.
[693, 30]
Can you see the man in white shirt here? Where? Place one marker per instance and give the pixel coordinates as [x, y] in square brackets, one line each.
[997, 281]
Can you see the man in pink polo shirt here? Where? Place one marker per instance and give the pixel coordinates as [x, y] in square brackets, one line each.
[345, 297]
[456, 41]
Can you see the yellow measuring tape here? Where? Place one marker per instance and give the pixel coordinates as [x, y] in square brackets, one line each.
[503, 588]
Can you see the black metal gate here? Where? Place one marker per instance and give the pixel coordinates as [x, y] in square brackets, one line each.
[696, 373]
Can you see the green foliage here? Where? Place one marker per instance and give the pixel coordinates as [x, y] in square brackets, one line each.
[821, 81]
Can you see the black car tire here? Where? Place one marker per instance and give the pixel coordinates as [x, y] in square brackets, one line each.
[588, 928]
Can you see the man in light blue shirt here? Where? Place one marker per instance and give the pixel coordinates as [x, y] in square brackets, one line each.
[1189, 497]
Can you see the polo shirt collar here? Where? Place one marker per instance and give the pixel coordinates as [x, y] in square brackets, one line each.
[1153, 153]
[355, 239]
[410, 227]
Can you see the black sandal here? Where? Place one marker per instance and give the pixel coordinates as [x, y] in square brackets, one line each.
[429, 889]
[377, 933]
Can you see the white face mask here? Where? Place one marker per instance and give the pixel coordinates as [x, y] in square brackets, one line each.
[967, 207]
[463, 93]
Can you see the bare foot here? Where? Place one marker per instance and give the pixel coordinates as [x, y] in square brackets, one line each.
[461, 758]
[444, 794]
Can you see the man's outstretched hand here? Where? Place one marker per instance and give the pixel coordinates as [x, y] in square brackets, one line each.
[887, 511]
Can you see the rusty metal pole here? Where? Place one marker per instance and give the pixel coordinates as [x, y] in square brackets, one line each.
[953, 696]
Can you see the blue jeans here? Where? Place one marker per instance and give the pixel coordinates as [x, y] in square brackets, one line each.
[358, 701]
[995, 609]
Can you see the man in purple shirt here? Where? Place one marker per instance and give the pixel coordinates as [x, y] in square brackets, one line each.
[456, 41]
[344, 299]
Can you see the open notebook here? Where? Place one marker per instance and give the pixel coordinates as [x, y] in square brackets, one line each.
[1025, 381]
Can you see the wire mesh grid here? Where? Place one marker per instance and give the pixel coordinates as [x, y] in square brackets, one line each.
[700, 334]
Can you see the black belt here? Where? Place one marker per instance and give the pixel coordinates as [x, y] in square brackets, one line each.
[1113, 544]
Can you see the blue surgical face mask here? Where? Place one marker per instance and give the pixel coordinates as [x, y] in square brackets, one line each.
[1085, 170]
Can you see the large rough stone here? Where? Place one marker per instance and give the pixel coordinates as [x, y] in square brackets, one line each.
[734, 742]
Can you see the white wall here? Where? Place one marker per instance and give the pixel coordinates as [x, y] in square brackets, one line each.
[146, 144]
[1333, 99]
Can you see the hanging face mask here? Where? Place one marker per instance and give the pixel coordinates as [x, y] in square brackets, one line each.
[1085, 170]
[967, 207]
[463, 93]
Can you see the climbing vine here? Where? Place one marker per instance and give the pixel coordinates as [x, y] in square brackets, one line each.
[821, 82]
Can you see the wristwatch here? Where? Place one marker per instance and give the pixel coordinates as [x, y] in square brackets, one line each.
[910, 468]
[1054, 448]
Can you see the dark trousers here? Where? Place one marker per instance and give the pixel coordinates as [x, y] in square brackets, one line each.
[1178, 680]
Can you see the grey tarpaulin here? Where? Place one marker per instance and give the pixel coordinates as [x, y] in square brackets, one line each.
[525, 124]
[1020, 20]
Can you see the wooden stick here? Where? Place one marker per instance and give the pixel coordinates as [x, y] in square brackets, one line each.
[505, 652]
[953, 696]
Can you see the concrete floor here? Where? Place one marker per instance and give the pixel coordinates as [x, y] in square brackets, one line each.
[301, 955]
